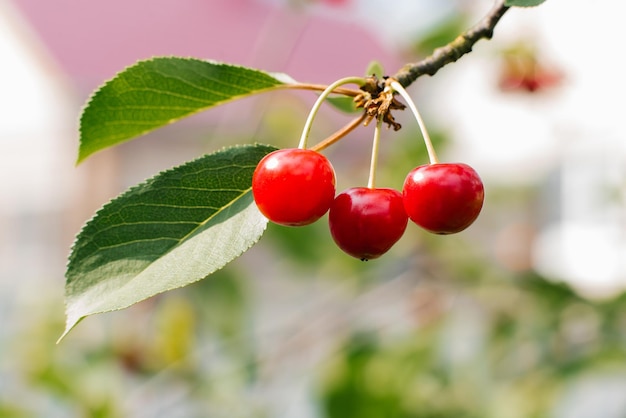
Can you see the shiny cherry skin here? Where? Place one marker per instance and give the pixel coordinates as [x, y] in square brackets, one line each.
[366, 222]
[293, 186]
[443, 198]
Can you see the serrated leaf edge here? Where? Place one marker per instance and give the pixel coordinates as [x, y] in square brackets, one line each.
[72, 321]
[283, 78]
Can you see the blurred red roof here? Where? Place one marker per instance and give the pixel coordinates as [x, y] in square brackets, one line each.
[92, 41]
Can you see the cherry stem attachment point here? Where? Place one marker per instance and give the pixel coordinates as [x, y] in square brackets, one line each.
[432, 155]
[318, 103]
[371, 182]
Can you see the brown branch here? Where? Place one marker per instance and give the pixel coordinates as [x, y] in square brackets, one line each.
[369, 93]
[454, 50]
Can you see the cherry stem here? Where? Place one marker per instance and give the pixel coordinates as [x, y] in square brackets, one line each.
[318, 103]
[371, 182]
[321, 87]
[339, 134]
[432, 155]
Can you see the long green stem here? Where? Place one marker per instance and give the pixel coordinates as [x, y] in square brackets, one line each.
[432, 155]
[318, 103]
[371, 182]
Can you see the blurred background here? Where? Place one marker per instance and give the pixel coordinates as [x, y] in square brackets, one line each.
[521, 315]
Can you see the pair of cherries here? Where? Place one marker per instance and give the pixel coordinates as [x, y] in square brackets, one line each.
[296, 187]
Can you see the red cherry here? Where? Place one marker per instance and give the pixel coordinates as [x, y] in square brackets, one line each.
[443, 198]
[524, 72]
[365, 223]
[293, 187]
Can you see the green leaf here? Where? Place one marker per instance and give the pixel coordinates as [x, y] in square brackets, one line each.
[173, 230]
[441, 34]
[523, 3]
[375, 68]
[343, 103]
[157, 92]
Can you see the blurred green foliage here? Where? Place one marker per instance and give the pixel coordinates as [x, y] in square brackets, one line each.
[509, 346]
[440, 34]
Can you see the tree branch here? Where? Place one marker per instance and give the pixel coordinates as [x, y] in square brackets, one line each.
[454, 50]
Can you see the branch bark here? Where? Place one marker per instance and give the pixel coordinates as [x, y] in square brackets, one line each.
[454, 50]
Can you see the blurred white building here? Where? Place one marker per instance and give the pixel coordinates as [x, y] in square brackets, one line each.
[37, 143]
[570, 139]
